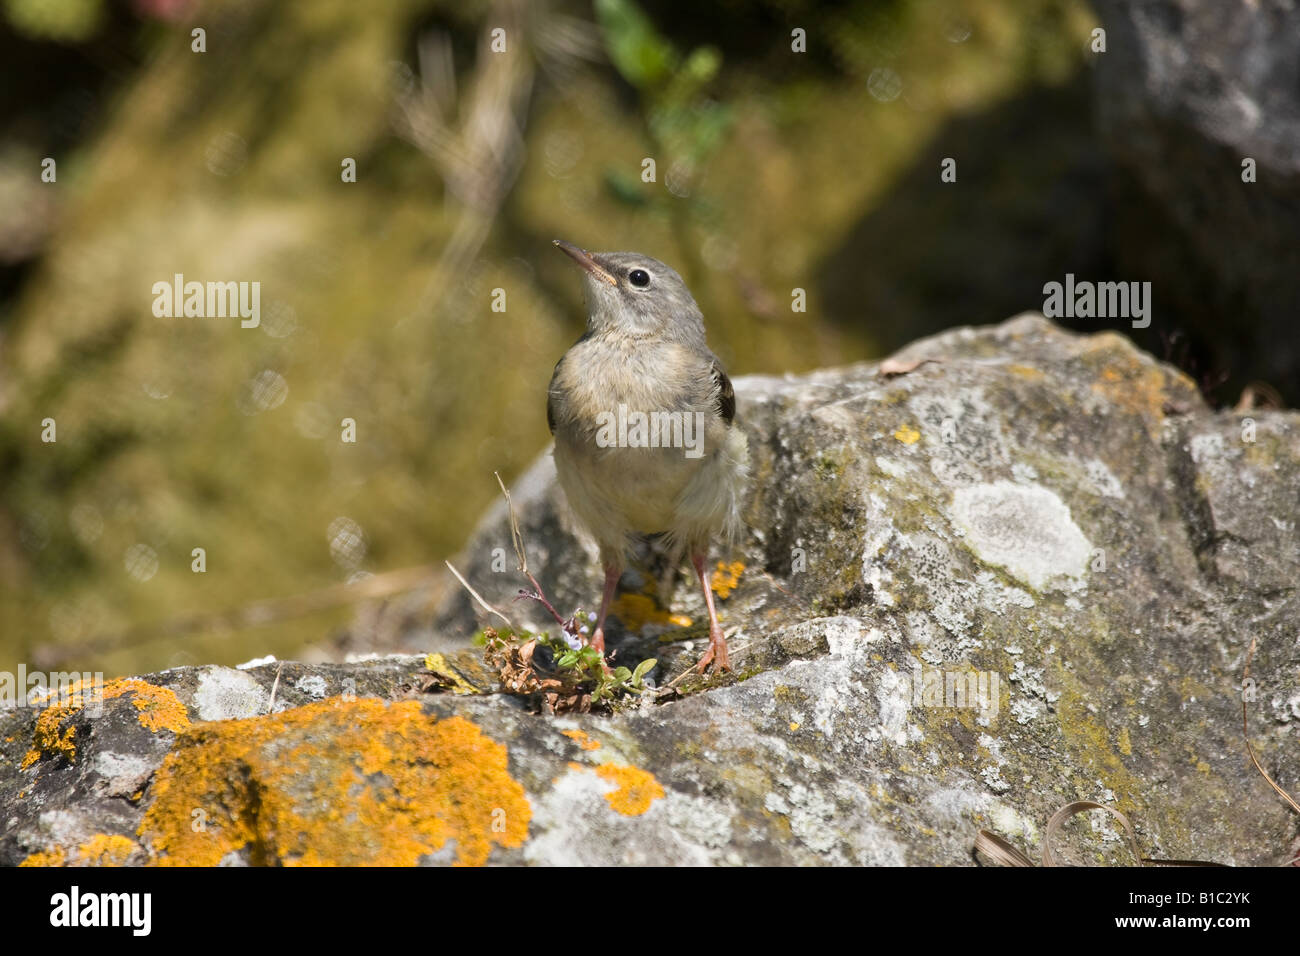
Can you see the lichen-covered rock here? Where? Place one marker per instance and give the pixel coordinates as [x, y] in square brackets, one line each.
[1023, 573]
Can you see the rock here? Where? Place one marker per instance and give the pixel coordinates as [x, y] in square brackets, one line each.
[1185, 92]
[1024, 573]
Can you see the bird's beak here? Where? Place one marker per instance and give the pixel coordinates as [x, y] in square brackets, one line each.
[584, 258]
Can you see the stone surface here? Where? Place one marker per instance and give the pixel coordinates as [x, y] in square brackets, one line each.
[1055, 525]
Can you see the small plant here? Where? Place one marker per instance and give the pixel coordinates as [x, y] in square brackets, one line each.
[567, 680]
[571, 675]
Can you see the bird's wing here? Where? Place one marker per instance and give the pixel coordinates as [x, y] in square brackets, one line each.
[726, 394]
[550, 395]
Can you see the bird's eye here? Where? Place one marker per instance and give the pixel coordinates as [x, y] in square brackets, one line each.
[639, 278]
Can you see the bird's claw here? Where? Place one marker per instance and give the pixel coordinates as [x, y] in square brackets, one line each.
[715, 659]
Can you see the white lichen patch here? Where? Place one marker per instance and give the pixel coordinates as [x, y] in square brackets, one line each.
[812, 815]
[894, 697]
[876, 542]
[1207, 448]
[1024, 528]
[1103, 479]
[123, 774]
[1024, 710]
[1013, 825]
[313, 685]
[954, 803]
[993, 780]
[892, 467]
[227, 694]
[574, 825]
[699, 819]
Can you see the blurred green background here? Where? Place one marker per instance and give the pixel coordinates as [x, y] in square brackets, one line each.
[775, 170]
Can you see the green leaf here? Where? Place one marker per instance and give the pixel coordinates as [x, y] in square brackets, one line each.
[703, 64]
[642, 669]
[567, 660]
[640, 54]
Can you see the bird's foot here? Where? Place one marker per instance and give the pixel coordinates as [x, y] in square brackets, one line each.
[715, 658]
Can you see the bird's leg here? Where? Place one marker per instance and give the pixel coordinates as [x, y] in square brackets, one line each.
[611, 582]
[716, 655]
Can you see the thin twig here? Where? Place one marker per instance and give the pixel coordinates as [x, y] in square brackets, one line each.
[270, 708]
[1245, 730]
[521, 552]
[477, 597]
[516, 536]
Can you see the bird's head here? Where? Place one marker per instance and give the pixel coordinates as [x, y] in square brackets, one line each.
[632, 295]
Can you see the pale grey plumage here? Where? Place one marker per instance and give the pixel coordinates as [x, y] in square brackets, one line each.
[645, 349]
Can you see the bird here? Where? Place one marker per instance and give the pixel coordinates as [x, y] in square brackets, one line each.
[644, 421]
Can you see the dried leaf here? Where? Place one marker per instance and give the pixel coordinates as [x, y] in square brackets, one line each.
[892, 367]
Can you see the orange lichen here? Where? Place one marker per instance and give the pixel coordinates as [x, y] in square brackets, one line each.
[637, 610]
[637, 789]
[46, 858]
[1140, 391]
[106, 850]
[907, 435]
[334, 783]
[582, 740]
[159, 709]
[1135, 386]
[103, 849]
[726, 578]
[49, 738]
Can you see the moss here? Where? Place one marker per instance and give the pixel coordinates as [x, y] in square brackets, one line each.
[1087, 740]
[746, 673]
[827, 467]
[334, 783]
[1125, 742]
[158, 707]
